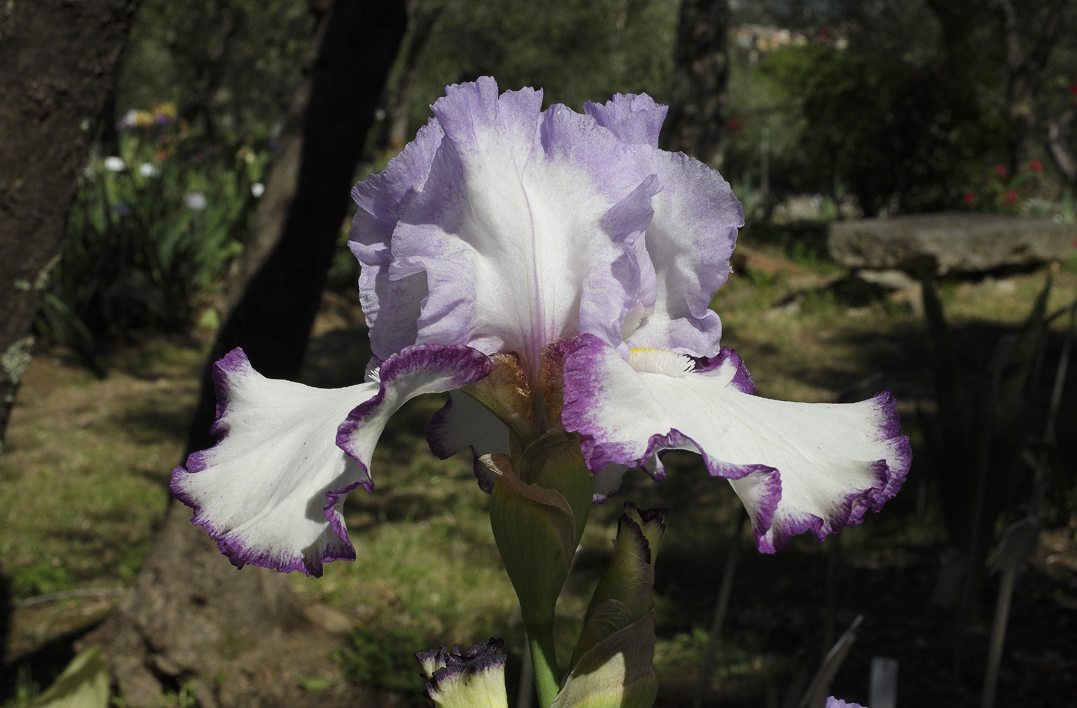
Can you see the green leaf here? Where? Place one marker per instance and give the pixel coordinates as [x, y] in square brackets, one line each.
[554, 462]
[535, 530]
[624, 594]
[1018, 363]
[615, 673]
[83, 684]
[613, 656]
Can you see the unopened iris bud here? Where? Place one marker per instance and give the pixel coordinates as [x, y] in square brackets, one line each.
[611, 665]
[471, 679]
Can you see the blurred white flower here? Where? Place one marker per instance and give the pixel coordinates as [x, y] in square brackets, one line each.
[147, 169]
[195, 201]
[258, 189]
[115, 164]
[138, 118]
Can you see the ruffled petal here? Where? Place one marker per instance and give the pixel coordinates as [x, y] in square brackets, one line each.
[797, 466]
[635, 119]
[429, 368]
[516, 228]
[689, 242]
[269, 491]
[391, 306]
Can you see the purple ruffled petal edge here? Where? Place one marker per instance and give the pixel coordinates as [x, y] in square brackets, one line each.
[769, 538]
[466, 364]
[240, 554]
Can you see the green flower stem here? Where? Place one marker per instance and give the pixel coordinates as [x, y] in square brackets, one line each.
[547, 681]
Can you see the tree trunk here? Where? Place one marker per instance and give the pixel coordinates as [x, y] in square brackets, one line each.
[422, 22]
[242, 637]
[1029, 40]
[58, 62]
[696, 123]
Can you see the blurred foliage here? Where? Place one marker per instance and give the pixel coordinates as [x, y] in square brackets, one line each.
[231, 66]
[983, 422]
[875, 107]
[575, 51]
[894, 105]
[151, 229]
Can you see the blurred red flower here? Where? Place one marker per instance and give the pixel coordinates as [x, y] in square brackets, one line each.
[1011, 196]
[1000, 170]
[734, 123]
[1035, 166]
[969, 197]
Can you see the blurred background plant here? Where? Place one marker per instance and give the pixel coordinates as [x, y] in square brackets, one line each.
[153, 228]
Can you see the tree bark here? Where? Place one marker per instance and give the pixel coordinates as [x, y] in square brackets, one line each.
[242, 638]
[1026, 58]
[696, 122]
[58, 62]
[422, 21]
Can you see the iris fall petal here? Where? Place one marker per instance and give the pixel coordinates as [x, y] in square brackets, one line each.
[270, 491]
[263, 491]
[796, 466]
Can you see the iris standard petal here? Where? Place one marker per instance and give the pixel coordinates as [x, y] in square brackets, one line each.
[689, 240]
[635, 119]
[391, 306]
[520, 223]
[265, 492]
[797, 466]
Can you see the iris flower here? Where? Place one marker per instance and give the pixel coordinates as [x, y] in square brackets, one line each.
[561, 267]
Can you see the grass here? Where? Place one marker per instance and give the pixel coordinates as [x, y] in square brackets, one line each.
[84, 486]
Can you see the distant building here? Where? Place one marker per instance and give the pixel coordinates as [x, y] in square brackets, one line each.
[763, 39]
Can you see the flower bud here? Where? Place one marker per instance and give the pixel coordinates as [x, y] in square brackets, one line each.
[472, 679]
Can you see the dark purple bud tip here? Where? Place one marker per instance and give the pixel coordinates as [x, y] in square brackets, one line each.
[443, 665]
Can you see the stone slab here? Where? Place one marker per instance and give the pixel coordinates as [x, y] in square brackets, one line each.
[949, 242]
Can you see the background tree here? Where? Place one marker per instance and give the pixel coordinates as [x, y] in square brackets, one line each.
[230, 66]
[696, 122]
[50, 107]
[422, 18]
[574, 51]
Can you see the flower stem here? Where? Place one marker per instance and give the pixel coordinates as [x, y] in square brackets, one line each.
[547, 683]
